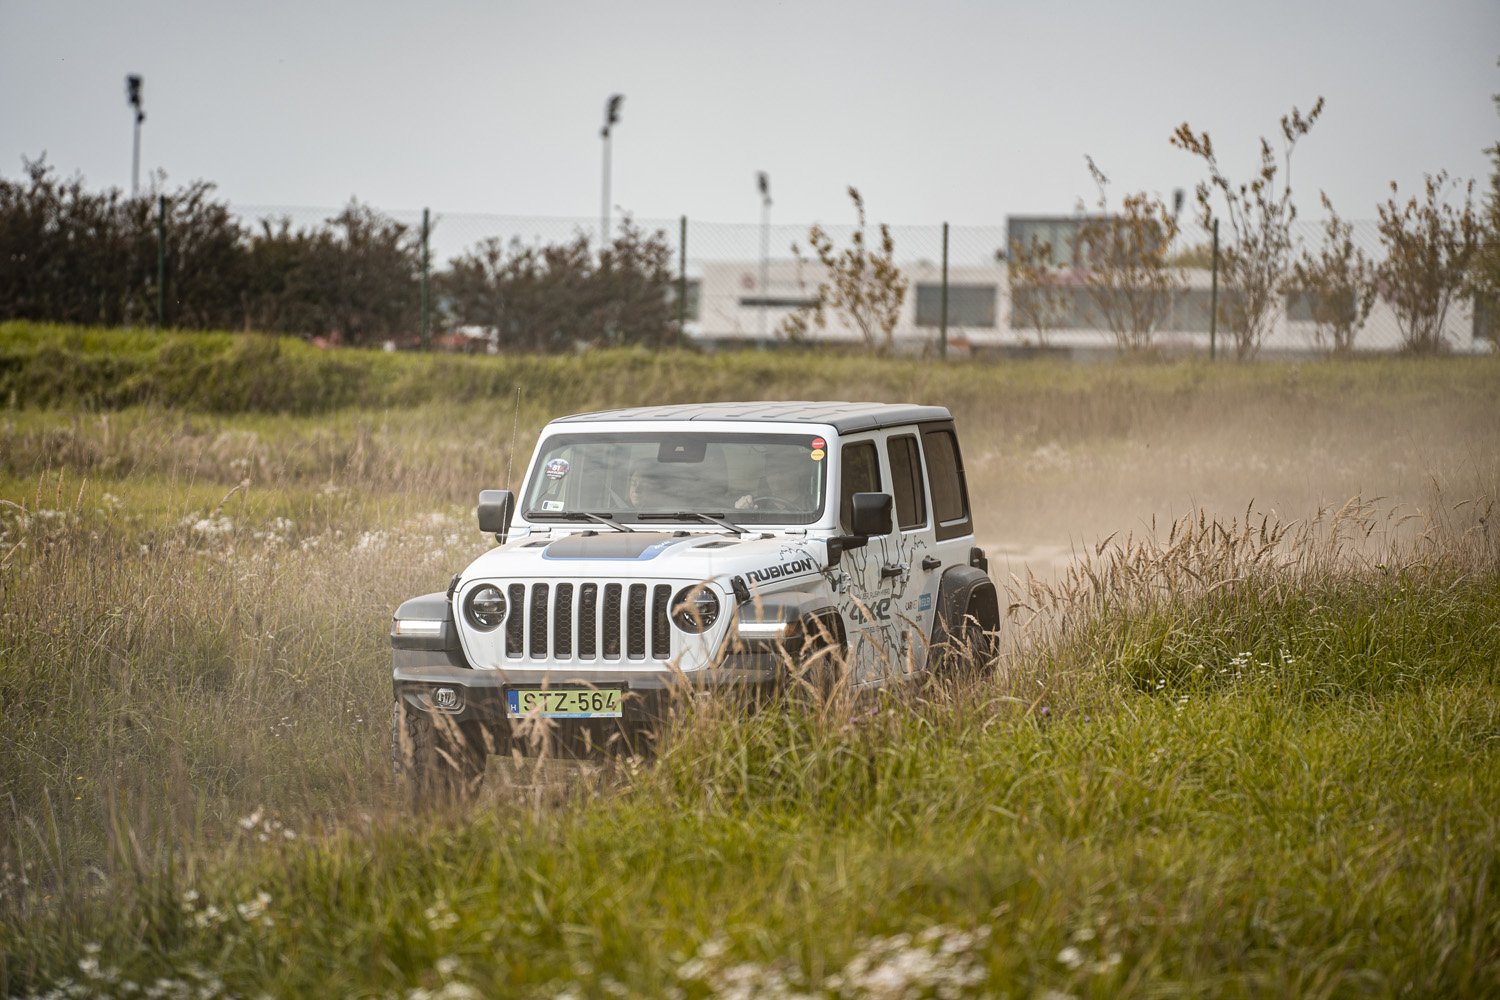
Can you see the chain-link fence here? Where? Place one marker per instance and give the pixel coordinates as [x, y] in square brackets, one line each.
[743, 282]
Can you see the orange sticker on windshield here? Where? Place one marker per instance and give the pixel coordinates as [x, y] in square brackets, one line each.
[817, 454]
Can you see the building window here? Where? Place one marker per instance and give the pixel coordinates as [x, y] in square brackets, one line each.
[1310, 307]
[776, 302]
[1486, 318]
[694, 298]
[968, 305]
[1060, 234]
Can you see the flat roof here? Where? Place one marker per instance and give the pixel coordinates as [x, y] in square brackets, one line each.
[845, 417]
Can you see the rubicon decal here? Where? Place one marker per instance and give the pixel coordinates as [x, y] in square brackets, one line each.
[804, 565]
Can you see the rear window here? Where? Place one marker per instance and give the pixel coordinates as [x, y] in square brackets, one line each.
[945, 471]
[906, 482]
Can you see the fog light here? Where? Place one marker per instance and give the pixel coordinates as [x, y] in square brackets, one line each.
[447, 699]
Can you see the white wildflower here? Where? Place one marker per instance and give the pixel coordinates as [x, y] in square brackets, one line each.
[440, 915]
[255, 910]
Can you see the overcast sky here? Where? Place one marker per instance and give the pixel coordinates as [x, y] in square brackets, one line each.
[960, 111]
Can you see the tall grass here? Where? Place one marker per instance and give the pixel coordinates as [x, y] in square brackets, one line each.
[1229, 760]
[1238, 753]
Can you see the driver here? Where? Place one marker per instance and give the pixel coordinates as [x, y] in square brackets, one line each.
[641, 486]
[782, 488]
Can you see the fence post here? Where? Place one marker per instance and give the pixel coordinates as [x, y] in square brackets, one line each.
[1213, 301]
[161, 261]
[426, 275]
[943, 317]
[682, 280]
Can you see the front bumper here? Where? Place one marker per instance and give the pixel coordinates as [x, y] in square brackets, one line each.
[480, 695]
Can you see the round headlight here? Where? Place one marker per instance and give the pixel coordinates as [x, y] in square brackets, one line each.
[695, 609]
[485, 607]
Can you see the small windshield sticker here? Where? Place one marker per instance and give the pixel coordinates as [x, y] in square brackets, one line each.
[557, 468]
[817, 454]
[819, 443]
[552, 505]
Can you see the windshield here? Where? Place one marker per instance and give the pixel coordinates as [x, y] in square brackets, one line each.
[746, 478]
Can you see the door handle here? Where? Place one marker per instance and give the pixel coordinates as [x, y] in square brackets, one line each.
[889, 570]
[931, 563]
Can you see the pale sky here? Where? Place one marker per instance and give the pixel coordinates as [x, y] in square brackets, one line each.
[966, 112]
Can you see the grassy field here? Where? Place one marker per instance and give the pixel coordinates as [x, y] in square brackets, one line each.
[1226, 755]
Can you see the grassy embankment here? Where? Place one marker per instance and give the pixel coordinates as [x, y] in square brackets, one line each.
[1228, 764]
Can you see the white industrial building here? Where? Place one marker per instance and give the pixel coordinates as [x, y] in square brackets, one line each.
[729, 303]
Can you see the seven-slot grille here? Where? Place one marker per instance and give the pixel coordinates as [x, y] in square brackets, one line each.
[589, 621]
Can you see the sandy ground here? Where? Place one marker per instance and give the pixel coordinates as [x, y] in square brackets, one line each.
[1038, 508]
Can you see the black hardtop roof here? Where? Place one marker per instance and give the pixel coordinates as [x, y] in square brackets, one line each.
[845, 417]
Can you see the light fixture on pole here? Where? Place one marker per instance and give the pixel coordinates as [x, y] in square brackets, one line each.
[133, 95]
[611, 118]
[763, 180]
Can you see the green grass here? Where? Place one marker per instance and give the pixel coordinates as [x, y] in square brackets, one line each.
[1245, 759]
[1266, 833]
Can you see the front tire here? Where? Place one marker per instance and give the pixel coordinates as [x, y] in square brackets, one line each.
[442, 760]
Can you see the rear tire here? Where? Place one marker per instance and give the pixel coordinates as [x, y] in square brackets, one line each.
[442, 760]
[969, 649]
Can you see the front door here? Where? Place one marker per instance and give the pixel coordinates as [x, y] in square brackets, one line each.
[910, 549]
[866, 582]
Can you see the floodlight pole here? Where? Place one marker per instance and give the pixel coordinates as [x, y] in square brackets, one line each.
[611, 118]
[133, 95]
[765, 251]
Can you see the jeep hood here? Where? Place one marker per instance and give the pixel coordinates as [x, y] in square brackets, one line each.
[691, 557]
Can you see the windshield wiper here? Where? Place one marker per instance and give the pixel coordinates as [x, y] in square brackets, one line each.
[692, 515]
[575, 515]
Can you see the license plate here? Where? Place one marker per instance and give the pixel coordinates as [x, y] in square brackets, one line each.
[566, 703]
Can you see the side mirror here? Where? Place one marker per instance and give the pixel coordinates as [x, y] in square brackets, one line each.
[495, 509]
[872, 514]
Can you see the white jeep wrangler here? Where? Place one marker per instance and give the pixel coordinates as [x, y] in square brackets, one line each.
[693, 546]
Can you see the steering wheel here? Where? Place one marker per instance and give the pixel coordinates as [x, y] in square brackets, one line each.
[772, 503]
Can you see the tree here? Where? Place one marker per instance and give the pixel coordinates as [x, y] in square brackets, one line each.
[206, 255]
[68, 255]
[74, 256]
[1430, 248]
[1338, 282]
[861, 285]
[1039, 297]
[1256, 258]
[561, 297]
[356, 277]
[1124, 259]
[1486, 279]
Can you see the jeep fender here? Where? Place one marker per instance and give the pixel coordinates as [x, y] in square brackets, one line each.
[413, 650]
[809, 614]
[965, 590]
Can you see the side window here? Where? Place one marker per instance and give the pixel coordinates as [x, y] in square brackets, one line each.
[945, 471]
[906, 482]
[859, 472]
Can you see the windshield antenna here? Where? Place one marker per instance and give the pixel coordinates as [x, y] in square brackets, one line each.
[515, 427]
